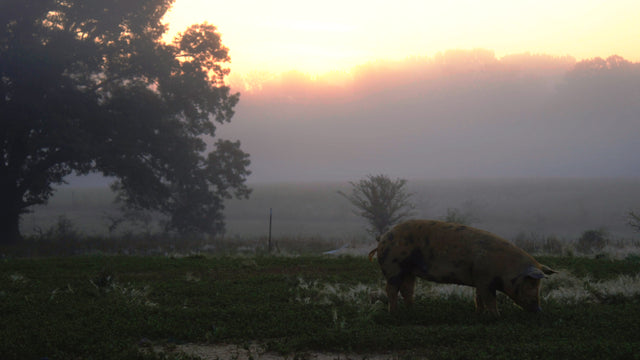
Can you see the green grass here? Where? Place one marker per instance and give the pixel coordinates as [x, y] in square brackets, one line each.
[105, 307]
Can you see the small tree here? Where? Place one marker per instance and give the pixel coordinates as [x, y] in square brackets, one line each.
[592, 240]
[634, 221]
[455, 215]
[381, 201]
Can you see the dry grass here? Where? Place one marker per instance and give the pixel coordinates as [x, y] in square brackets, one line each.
[562, 288]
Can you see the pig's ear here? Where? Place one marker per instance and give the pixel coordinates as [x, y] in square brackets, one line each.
[547, 270]
[533, 272]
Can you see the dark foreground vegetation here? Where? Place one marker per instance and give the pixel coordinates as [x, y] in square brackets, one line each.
[118, 307]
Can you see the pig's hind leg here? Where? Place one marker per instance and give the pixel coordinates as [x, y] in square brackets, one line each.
[407, 289]
[392, 296]
[403, 283]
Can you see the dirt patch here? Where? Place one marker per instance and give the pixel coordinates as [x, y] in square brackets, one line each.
[257, 352]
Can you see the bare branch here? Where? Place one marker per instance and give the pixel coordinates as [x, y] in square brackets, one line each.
[381, 201]
[633, 220]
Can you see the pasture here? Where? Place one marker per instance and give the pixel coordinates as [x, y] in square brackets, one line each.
[302, 307]
[74, 290]
[538, 208]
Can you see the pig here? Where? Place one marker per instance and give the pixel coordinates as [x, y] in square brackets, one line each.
[457, 254]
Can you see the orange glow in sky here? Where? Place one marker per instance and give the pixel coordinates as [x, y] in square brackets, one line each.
[317, 37]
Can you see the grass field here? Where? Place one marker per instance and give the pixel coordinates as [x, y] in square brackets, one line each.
[120, 307]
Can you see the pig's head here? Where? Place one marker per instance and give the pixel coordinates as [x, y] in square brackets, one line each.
[526, 287]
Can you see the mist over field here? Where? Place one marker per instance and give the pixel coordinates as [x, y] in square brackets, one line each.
[524, 144]
[458, 114]
[533, 208]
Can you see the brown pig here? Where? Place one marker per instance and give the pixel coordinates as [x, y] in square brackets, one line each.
[456, 254]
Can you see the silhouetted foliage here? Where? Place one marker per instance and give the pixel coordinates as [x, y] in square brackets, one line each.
[535, 243]
[88, 86]
[634, 221]
[592, 241]
[381, 201]
[63, 230]
[455, 215]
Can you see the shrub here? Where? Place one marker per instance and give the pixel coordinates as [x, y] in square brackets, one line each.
[633, 220]
[456, 216]
[526, 242]
[535, 243]
[63, 230]
[552, 245]
[592, 241]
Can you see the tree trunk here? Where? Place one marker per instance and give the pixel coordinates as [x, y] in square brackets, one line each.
[9, 225]
[10, 212]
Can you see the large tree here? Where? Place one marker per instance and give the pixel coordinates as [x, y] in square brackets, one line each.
[89, 86]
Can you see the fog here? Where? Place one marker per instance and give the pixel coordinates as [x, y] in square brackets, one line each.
[458, 114]
[546, 124]
[534, 208]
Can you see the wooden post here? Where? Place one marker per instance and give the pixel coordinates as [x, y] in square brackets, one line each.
[270, 217]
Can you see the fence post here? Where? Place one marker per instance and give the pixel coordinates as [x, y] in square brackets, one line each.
[270, 217]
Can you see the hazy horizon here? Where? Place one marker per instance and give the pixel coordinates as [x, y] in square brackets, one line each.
[534, 208]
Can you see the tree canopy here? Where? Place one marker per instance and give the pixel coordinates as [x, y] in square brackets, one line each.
[89, 86]
[382, 202]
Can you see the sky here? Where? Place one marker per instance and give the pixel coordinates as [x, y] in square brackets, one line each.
[337, 90]
[464, 114]
[316, 37]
